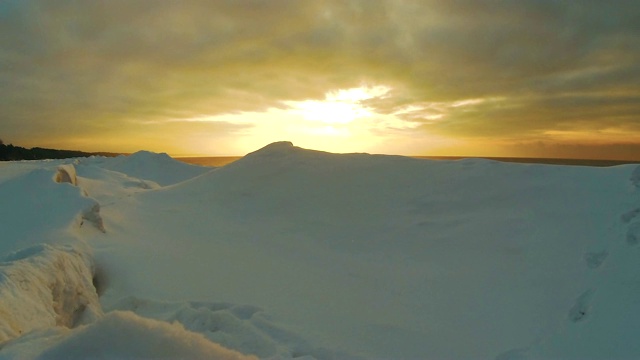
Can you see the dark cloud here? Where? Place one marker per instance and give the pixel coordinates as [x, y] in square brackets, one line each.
[86, 66]
[529, 116]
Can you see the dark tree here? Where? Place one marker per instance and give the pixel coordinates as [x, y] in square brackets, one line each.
[10, 152]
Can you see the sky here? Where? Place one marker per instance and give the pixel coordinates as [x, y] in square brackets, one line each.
[526, 78]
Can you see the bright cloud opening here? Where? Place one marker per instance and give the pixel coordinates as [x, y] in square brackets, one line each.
[344, 121]
[338, 107]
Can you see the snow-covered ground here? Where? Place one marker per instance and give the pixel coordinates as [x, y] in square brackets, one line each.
[294, 253]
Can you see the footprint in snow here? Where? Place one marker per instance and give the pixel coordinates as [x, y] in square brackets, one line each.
[628, 216]
[581, 308]
[633, 234]
[595, 259]
[635, 177]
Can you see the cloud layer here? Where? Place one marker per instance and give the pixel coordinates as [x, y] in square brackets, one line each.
[84, 70]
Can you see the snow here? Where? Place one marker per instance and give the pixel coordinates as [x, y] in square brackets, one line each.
[35, 208]
[120, 335]
[295, 253]
[160, 168]
[44, 286]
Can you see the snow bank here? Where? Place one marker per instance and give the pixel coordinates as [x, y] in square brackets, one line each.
[160, 168]
[44, 286]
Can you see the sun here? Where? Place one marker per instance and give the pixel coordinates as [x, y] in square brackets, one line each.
[345, 120]
[338, 107]
[330, 112]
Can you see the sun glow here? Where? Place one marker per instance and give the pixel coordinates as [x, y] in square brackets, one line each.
[346, 120]
[338, 107]
[330, 112]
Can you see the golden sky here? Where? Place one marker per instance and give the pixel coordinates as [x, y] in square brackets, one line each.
[535, 78]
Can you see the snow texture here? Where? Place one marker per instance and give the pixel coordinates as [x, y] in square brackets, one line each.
[45, 286]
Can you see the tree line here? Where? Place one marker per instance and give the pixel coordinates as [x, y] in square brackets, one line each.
[11, 153]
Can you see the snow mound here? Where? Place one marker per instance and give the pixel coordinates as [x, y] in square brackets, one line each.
[274, 149]
[283, 152]
[44, 286]
[105, 185]
[418, 255]
[40, 208]
[160, 168]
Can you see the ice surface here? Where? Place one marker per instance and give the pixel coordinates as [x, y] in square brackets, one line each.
[294, 253]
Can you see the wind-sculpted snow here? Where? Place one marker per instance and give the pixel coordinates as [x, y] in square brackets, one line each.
[45, 286]
[49, 303]
[160, 168]
[66, 174]
[35, 208]
[293, 253]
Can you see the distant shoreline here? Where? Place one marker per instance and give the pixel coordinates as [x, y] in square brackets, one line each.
[224, 160]
[547, 161]
[209, 160]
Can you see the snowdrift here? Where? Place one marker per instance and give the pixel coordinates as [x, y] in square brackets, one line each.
[294, 253]
[38, 206]
[160, 168]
